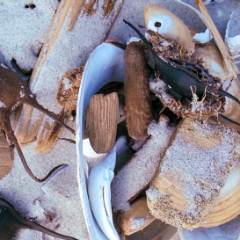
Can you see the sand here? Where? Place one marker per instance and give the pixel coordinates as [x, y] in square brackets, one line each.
[23, 31]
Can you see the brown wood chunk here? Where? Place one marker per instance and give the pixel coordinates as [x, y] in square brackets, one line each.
[136, 218]
[138, 107]
[101, 121]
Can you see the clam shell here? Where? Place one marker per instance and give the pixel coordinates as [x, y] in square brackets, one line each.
[105, 64]
[164, 22]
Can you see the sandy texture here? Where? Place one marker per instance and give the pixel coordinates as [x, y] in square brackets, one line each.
[192, 173]
[60, 201]
[24, 30]
[22, 34]
[139, 171]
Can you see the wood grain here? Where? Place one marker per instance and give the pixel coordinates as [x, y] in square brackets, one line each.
[101, 121]
[6, 156]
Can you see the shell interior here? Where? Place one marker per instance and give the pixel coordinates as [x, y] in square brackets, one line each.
[105, 65]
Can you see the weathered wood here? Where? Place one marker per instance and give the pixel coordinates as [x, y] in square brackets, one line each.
[101, 121]
[6, 156]
[68, 89]
[67, 45]
[140, 169]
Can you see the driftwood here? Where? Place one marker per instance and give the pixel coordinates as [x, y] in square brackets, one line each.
[192, 174]
[6, 156]
[61, 52]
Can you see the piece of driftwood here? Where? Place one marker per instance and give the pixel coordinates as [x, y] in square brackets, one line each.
[101, 121]
[229, 62]
[6, 156]
[136, 218]
[138, 102]
[67, 45]
[192, 174]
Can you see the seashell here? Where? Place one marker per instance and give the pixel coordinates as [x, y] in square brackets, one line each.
[105, 64]
[101, 121]
[12, 221]
[232, 37]
[136, 218]
[164, 22]
[199, 188]
[6, 156]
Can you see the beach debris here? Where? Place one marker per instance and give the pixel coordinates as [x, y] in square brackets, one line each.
[12, 221]
[14, 93]
[100, 69]
[6, 156]
[178, 78]
[136, 218]
[64, 52]
[137, 173]
[138, 104]
[69, 87]
[99, 193]
[101, 121]
[192, 173]
[198, 81]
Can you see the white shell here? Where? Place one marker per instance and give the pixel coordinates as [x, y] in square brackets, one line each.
[164, 22]
[105, 64]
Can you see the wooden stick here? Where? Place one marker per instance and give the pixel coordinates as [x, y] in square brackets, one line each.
[136, 218]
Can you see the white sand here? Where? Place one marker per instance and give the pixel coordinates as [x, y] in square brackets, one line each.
[22, 34]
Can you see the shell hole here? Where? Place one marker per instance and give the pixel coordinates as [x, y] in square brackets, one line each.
[157, 24]
[30, 5]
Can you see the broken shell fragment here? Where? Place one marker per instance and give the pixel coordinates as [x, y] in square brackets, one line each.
[105, 64]
[164, 22]
[136, 218]
[212, 61]
[6, 156]
[99, 193]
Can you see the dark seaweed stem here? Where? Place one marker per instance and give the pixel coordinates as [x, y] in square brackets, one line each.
[8, 130]
[11, 221]
[179, 78]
